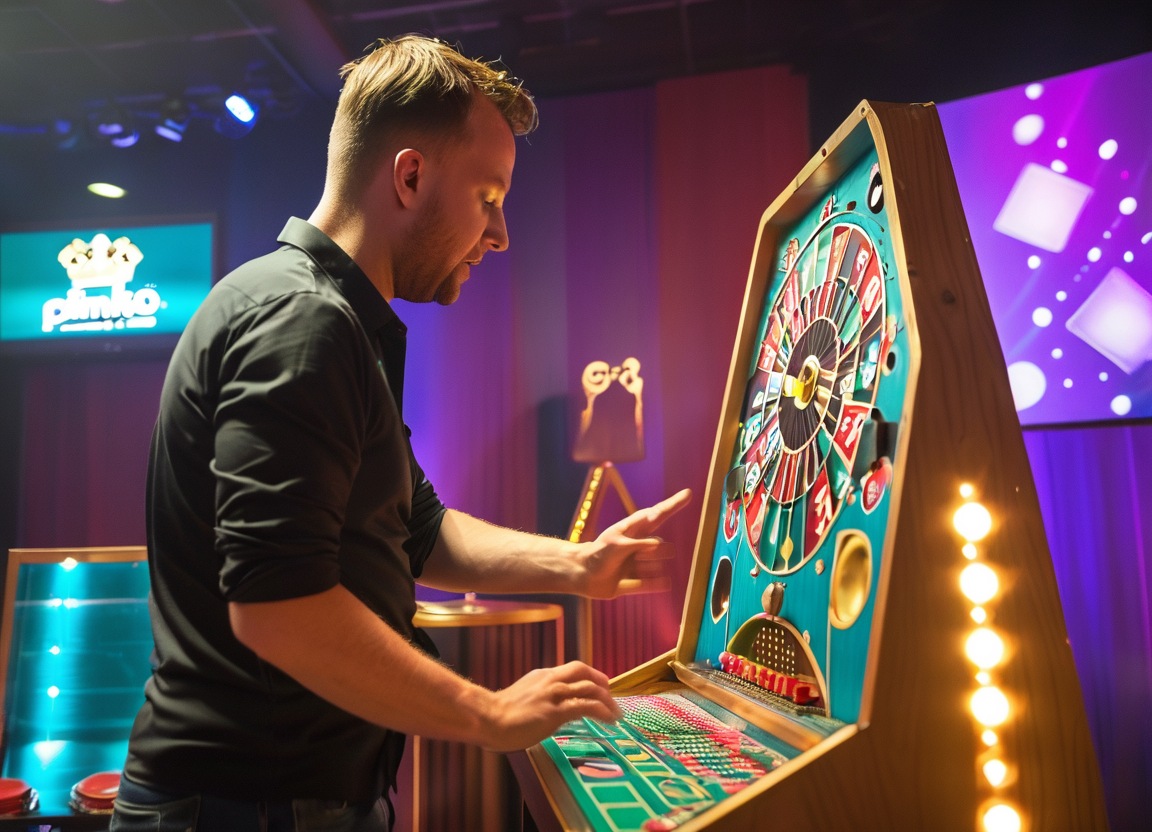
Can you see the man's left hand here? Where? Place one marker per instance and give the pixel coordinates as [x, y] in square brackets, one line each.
[628, 552]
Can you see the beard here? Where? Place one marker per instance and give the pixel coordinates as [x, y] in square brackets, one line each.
[422, 274]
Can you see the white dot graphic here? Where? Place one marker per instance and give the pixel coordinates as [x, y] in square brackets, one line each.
[1027, 129]
[1042, 316]
[1027, 382]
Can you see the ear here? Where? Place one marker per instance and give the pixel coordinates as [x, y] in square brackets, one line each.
[408, 172]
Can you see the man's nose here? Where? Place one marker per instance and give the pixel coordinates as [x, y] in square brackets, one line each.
[497, 232]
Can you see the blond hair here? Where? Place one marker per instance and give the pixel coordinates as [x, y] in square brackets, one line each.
[413, 85]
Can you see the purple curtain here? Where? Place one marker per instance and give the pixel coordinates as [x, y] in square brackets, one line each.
[1095, 490]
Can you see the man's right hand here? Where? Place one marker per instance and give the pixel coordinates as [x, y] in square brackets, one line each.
[542, 700]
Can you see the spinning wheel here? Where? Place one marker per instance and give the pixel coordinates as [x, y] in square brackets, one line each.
[812, 390]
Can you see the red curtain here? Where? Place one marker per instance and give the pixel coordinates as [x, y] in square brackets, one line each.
[86, 430]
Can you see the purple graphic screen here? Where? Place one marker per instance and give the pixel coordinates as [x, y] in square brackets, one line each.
[1057, 188]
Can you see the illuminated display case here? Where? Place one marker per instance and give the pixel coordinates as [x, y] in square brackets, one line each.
[872, 635]
[73, 661]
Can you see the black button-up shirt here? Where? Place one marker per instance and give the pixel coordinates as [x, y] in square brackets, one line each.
[280, 467]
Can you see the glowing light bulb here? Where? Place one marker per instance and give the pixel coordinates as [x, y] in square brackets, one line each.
[989, 738]
[995, 771]
[966, 490]
[989, 706]
[68, 564]
[979, 615]
[973, 521]
[984, 648]
[107, 189]
[53, 692]
[54, 650]
[979, 583]
[969, 551]
[1001, 818]
[983, 678]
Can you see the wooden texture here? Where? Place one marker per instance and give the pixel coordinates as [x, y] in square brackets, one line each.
[914, 761]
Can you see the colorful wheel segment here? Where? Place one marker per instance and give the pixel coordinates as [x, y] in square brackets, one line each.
[811, 391]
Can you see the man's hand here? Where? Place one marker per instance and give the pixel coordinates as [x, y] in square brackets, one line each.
[625, 552]
[337, 648]
[542, 700]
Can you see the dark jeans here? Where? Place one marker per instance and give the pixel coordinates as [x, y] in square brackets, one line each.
[141, 809]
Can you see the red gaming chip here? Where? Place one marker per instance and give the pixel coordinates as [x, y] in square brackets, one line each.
[16, 797]
[95, 793]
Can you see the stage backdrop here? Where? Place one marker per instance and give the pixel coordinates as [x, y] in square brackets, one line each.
[632, 218]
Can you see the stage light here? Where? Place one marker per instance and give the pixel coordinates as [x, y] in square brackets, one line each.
[106, 189]
[238, 116]
[174, 117]
[114, 125]
[65, 134]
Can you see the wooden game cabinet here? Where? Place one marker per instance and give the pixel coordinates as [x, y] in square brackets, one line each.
[911, 753]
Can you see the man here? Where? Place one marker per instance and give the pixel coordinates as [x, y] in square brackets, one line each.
[287, 518]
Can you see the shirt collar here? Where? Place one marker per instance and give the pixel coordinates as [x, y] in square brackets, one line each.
[375, 313]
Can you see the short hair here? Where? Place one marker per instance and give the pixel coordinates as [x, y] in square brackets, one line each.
[414, 84]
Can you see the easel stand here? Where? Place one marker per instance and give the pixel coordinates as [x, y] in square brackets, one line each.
[601, 477]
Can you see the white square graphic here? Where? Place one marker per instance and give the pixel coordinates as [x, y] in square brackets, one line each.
[1116, 321]
[1042, 208]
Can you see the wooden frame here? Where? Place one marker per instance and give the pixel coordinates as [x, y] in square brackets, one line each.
[912, 759]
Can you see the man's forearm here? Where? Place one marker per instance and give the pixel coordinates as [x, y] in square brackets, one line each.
[472, 555]
[336, 647]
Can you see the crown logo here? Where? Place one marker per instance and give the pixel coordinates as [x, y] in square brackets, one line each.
[103, 262]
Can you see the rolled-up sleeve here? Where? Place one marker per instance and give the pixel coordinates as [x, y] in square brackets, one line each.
[290, 422]
[424, 524]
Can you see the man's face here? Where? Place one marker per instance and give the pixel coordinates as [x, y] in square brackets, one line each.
[461, 215]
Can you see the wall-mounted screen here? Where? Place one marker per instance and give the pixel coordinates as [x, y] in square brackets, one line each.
[102, 288]
[1056, 181]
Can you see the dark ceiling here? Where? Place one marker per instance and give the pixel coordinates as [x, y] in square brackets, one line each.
[61, 59]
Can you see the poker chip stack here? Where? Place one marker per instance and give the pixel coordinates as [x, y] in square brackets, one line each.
[94, 794]
[17, 797]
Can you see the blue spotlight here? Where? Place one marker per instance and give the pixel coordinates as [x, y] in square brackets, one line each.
[174, 118]
[238, 117]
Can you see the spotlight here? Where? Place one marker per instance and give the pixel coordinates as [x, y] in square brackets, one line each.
[114, 125]
[174, 117]
[238, 116]
[65, 134]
